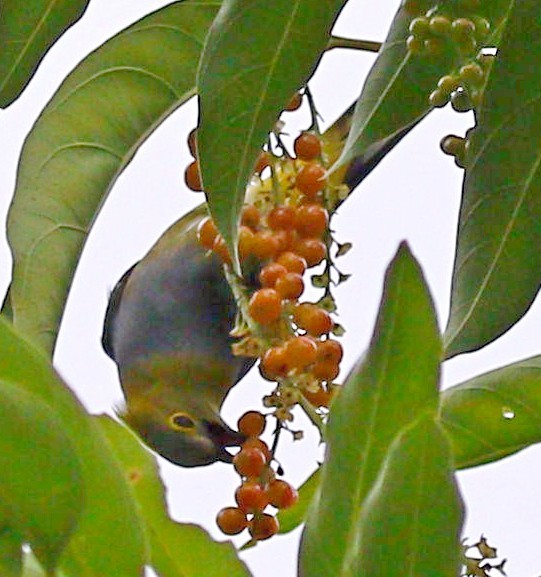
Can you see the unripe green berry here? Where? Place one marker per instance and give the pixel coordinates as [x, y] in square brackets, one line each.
[435, 46]
[448, 83]
[462, 28]
[460, 101]
[482, 27]
[459, 161]
[472, 74]
[419, 27]
[415, 45]
[438, 98]
[452, 145]
[440, 25]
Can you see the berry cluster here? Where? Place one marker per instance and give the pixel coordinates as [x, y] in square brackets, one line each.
[464, 33]
[259, 487]
[464, 89]
[459, 31]
[286, 239]
[433, 34]
[283, 232]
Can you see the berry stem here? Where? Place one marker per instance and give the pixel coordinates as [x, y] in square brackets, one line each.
[276, 435]
[341, 42]
[313, 112]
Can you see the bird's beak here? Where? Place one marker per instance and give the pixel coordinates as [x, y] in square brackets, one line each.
[223, 436]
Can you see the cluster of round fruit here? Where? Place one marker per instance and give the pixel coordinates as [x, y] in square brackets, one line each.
[434, 34]
[259, 487]
[465, 89]
[289, 236]
[285, 241]
[305, 364]
[283, 232]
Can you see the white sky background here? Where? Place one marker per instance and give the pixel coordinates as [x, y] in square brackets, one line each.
[413, 194]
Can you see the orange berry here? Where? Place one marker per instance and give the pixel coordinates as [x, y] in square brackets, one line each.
[274, 363]
[281, 494]
[207, 233]
[325, 370]
[294, 103]
[312, 250]
[265, 245]
[286, 239]
[192, 177]
[250, 216]
[281, 218]
[249, 462]
[290, 285]
[253, 443]
[246, 242]
[251, 497]
[263, 160]
[270, 273]
[320, 323]
[301, 352]
[252, 423]
[265, 306]
[263, 527]
[312, 319]
[307, 146]
[311, 179]
[311, 220]
[329, 351]
[192, 142]
[231, 520]
[321, 398]
[302, 312]
[292, 262]
[220, 248]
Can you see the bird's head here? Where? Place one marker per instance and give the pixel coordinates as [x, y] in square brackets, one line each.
[177, 416]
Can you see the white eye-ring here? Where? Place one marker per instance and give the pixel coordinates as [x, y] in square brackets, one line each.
[181, 422]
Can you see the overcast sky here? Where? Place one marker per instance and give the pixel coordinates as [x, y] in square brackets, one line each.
[414, 194]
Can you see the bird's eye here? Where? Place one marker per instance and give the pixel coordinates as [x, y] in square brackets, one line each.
[181, 422]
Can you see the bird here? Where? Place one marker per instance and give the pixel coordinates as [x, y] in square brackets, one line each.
[167, 327]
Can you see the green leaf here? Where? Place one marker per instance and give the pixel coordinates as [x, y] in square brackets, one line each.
[82, 141]
[27, 31]
[391, 387]
[394, 99]
[177, 549]
[495, 414]
[34, 446]
[497, 270]
[412, 519]
[254, 60]
[10, 553]
[33, 569]
[109, 514]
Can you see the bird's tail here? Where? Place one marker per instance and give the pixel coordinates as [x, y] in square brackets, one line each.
[354, 171]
